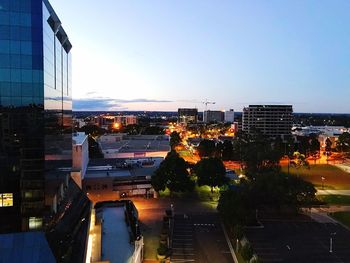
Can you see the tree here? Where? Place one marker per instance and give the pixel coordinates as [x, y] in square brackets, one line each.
[211, 172]
[93, 130]
[206, 148]
[343, 143]
[227, 150]
[172, 174]
[174, 139]
[94, 148]
[328, 143]
[257, 152]
[300, 160]
[314, 147]
[268, 191]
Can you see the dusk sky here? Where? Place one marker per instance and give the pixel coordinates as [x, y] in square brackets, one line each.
[165, 54]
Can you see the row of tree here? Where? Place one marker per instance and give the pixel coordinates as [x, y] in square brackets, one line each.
[177, 175]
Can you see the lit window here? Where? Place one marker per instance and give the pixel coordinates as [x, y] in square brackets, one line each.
[35, 223]
[6, 199]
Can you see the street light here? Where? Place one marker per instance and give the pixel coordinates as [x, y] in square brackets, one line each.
[331, 242]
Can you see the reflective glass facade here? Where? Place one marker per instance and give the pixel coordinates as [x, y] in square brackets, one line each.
[35, 105]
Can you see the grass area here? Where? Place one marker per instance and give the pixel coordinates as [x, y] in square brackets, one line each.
[335, 199]
[334, 177]
[343, 217]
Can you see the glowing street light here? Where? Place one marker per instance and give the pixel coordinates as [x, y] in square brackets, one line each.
[116, 125]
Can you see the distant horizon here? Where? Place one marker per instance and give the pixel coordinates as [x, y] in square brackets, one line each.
[321, 113]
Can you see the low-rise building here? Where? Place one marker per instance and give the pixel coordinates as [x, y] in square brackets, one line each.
[115, 121]
[134, 146]
[121, 177]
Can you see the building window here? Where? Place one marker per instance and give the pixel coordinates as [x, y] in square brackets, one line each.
[35, 223]
[6, 200]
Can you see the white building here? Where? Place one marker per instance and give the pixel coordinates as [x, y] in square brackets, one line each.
[80, 154]
[230, 116]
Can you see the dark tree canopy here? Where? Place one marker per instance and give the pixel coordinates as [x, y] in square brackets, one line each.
[175, 139]
[172, 174]
[211, 172]
[343, 143]
[267, 191]
[206, 148]
[227, 150]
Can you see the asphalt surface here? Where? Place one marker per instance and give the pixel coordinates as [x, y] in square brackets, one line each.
[199, 238]
[303, 241]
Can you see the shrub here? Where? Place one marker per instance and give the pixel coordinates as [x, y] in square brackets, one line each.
[162, 249]
[247, 251]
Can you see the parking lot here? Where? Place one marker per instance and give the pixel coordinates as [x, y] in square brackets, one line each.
[300, 241]
[199, 238]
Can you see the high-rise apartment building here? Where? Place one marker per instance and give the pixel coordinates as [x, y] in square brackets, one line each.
[213, 116]
[271, 120]
[230, 116]
[35, 108]
[187, 115]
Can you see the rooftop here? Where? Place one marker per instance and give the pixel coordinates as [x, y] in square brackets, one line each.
[115, 238]
[79, 138]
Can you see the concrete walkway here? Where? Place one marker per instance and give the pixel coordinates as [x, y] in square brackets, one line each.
[319, 216]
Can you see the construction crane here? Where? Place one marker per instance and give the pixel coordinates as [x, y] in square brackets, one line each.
[206, 104]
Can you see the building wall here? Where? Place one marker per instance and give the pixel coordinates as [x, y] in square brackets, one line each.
[187, 115]
[230, 116]
[81, 155]
[213, 116]
[35, 110]
[271, 120]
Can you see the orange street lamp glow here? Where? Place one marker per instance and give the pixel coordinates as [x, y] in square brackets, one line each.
[116, 125]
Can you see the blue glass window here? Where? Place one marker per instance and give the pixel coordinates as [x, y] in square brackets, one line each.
[27, 75]
[26, 47]
[4, 61]
[15, 19]
[16, 89]
[5, 88]
[4, 32]
[6, 101]
[15, 33]
[15, 5]
[26, 33]
[26, 62]
[15, 61]
[27, 89]
[5, 74]
[16, 75]
[15, 47]
[4, 18]
[26, 19]
[26, 6]
[5, 46]
[5, 4]
[37, 76]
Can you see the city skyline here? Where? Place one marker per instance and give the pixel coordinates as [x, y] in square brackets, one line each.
[166, 55]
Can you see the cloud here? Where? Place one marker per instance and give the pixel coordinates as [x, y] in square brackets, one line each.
[105, 104]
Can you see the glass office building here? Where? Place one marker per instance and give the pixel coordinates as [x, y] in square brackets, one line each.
[35, 108]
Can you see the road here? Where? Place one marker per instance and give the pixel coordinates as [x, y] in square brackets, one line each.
[300, 241]
[199, 237]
